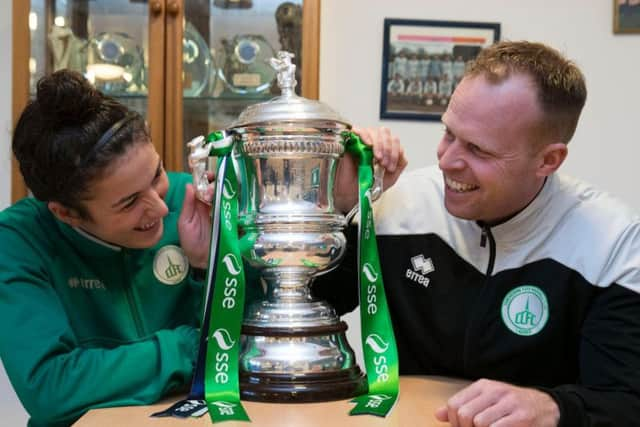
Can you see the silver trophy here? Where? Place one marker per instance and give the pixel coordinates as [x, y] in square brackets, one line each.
[294, 347]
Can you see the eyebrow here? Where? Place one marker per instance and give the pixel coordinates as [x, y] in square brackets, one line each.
[131, 196]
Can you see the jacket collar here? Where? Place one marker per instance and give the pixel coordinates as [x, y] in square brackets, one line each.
[86, 242]
[528, 222]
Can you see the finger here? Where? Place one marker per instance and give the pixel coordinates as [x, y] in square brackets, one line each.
[384, 144]
[211, 176]
[442, 414]
[394, 154]
[365, 135]
[459, 399]
[494, 415]
[188, 204]
[469, 410]
[402, 159]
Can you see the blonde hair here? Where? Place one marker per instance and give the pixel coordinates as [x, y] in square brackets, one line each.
[561, 86]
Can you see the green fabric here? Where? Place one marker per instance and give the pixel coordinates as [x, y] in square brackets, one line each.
[87, 325]
[378, 340]
[221, 382]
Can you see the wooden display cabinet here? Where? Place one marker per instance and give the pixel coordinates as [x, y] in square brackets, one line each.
[161, 48]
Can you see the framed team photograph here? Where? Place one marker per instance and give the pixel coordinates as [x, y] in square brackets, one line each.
[626, 16]
[423, 61]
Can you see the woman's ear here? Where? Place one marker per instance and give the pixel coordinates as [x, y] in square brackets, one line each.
[67, 215]
[552, 156]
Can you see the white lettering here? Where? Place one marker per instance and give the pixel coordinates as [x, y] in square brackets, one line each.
[372, 307]
[230, 291]
[226, 208]
[382, 368]
[222, 367]
[416, 277]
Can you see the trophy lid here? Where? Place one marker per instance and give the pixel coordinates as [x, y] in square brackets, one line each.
[287, 107]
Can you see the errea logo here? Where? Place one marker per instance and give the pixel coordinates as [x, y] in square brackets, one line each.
[421, 267]
[84, 283]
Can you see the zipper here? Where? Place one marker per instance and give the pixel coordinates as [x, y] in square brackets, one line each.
[485, 236]
[133, 306]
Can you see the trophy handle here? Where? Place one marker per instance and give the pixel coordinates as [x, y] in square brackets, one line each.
[378, 177]
[199, 152]
[376, 190]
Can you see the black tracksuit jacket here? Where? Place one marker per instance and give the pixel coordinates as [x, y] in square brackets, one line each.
[549, 299]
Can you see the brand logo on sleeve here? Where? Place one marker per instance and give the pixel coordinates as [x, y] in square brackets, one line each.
[525, 310]
[85, 283]
[170, 265]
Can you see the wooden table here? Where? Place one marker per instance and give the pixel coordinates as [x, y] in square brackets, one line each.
[419, 398]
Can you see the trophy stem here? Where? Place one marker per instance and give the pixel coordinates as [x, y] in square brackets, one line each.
[288, 286]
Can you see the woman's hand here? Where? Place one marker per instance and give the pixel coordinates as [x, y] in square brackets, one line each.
[194, 228]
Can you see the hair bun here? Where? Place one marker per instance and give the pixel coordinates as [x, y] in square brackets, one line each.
[65, 97]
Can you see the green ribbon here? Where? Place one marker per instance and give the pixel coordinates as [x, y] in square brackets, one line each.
[378, 341]
[221, 382]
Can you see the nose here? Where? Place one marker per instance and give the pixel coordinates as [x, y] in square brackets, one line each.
[450, 155]
[155, 205]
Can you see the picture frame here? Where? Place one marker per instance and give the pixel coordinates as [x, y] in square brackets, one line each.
[423, 60]
[626, 16]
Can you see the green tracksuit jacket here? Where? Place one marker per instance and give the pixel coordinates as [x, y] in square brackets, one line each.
[88, 325]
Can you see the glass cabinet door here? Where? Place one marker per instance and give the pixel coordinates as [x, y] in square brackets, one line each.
[106, 41]
[189, 66]
[226, 46]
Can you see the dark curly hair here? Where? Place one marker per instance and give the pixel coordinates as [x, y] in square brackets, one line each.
[56, 135]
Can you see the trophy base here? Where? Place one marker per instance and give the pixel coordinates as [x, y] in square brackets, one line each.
[298, 364]
[304, 388]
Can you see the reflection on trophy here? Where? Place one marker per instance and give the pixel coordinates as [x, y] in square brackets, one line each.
[115, 63]
[243, 66]
[293, 346]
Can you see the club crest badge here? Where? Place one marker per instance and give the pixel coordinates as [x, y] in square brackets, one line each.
[525, 310]
[170, 265]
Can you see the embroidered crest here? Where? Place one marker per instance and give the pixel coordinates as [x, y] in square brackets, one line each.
[525, 310]
[170, 265]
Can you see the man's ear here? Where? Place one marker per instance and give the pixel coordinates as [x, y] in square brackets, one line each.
[551, 157]
[67, 215]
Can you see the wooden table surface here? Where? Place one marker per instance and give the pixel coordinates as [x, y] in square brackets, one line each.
[419, 398]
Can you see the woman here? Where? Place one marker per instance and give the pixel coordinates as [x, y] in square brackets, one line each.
[98, 301]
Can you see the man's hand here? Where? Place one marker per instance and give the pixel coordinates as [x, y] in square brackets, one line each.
[498, 404]
[387, 151]
[194, 228]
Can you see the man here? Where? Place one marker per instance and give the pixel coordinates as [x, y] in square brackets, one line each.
[395, 86]
[528, 281]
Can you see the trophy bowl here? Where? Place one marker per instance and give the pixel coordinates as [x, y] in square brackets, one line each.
[286, 150]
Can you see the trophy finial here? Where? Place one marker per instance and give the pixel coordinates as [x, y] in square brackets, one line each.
[286, 72]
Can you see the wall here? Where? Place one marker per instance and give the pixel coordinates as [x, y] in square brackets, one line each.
[12, 412]
[604, 150]
[5, 107]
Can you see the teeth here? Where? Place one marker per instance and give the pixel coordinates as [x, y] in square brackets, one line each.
[459, 187]
[148, 226]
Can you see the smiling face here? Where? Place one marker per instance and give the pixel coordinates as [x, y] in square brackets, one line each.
[488, 156]
[128, 205]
